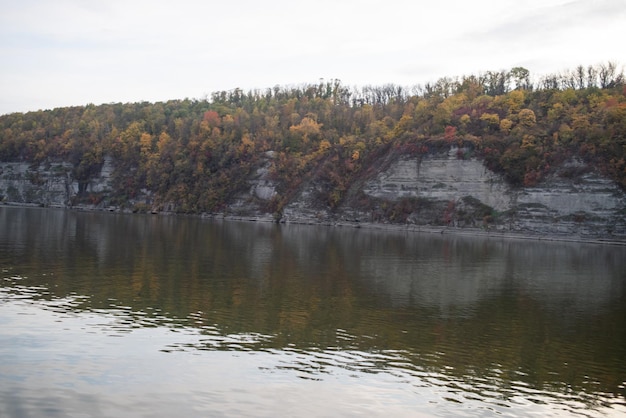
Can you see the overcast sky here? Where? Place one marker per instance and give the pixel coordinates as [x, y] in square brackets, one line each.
[74, 52]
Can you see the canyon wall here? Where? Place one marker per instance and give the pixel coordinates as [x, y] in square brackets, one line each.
[573, 199]
[50, 184]
[437, 190]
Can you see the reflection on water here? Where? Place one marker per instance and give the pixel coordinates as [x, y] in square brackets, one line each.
[155, 316]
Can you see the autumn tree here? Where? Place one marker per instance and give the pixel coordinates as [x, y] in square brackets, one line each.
[200, 153]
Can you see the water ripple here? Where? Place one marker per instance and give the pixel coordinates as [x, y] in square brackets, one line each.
[494, 391]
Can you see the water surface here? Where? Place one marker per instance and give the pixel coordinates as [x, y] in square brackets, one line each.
[110, 315]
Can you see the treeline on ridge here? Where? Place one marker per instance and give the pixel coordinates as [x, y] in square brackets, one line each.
[198, 154]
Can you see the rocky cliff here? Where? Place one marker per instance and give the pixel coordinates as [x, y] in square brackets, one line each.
[439, 190]
[574, 199]
[51, 184]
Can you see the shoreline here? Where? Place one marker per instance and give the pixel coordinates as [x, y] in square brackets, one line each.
[410, 228]
[439, 230]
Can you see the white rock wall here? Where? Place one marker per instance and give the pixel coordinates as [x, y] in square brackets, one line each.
[585, 203]
[582, 203]
[47, 184]
[443, 177]
[23, 183]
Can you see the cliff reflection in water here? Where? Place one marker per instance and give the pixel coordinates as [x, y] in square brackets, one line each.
[548, 314]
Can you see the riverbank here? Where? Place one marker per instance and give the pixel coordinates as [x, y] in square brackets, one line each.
[491, 232]
[440, 230]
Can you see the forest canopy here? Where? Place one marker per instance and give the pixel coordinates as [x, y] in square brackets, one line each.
[200, 153]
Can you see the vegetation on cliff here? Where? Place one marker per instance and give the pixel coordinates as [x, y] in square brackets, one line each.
[199, 153]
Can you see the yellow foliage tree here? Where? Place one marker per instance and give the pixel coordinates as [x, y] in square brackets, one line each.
[491, 119]
[306, 129]
[324, 146]
[514, 101]
[506, 125]
[145, 144]
[247, 145]
[527, 118]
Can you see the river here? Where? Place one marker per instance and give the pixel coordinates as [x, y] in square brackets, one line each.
[118, 315]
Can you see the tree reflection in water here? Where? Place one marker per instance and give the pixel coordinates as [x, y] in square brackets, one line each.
[495, 320]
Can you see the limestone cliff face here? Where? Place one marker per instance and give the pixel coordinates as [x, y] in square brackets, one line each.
[262, 188]
[582, 202]
[441, 189]
[441, 178]
[26, 184]
[49, 184]
[572, 200]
